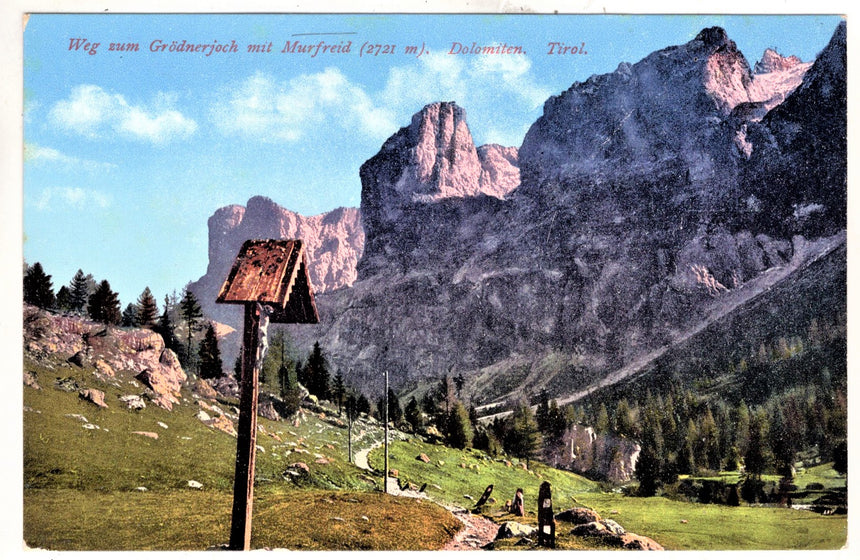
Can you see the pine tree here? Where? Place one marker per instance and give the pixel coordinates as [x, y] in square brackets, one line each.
[167, 329]
[316, 373]
[601, 423]
[191, 313]
[64, 298]
[459, 434]
[147, 310]
[103, 306]
[523, 438]
[649, 465]
[129, 316]
[412, 414]
[757, 457]
[80, 292]
[624, 425]
[395, 413]
[362, 405]
[338, 392]
[210, 355]
[38, 289]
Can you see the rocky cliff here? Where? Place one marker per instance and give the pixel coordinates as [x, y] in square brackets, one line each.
[649, 203]
[334, 242]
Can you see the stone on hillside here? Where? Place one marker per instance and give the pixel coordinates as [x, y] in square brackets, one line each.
[194, 484]
[152, 435]
[631, 541]
[301, 467]
[162, 425]
[267, 410]
[578, 516]
[79, 359]
[104, 369]
[614, 527]
[222, 423]
[89, 426]
[30, 379]
[94, 396]
[133, 402]
[78, 417]
[142, 489]
[512, 529]
[203, 389]
[66, 384]
[423, 458]
[203, 416]
[593, 529]
[322, 461]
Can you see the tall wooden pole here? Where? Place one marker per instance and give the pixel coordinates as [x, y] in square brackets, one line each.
[246, 442]
[386, 433]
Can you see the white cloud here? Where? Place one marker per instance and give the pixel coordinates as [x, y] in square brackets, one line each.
[33, 153]
[94, 112]
[269, 109]
[74, 197]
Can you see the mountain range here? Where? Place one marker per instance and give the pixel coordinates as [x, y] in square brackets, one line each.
[643, 207]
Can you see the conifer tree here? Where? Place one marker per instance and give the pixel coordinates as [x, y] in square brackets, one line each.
[523, 438]
[38, 289]
[338, 392]
[79, 291]
[147, 310]
[210, 355]
[459, 434]
[412, 414]
[316, 373]
[103, 306]
[191, 313]
[64, 298]
[129, 316]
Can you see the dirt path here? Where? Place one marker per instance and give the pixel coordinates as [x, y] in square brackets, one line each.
[477, 531]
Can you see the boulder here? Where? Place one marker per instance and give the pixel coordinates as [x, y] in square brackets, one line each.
[423, 458]
[593, 529]
[512, 529]
[79, 359]
[203, 389]
[267, 410]
[104, 369]
[631, 541]
[578, 516]
[133, 402]
[66, 384]
[613, 527]
[194, 484]
[30, 379]
[302, 467]
[222, 423]
[94, 396]
[152, 435]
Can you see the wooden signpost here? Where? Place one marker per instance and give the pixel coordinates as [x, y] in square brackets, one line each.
[269, 277]
[546, 519]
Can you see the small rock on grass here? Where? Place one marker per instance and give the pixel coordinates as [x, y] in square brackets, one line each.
[194, 484]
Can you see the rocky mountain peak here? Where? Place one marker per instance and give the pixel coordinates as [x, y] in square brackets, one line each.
[714, 37]
[772, 61]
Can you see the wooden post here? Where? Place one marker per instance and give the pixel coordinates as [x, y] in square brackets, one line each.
[386, 433]
[546, 520]
[246, 442]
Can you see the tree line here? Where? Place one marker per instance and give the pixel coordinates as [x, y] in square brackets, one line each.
[96, 300]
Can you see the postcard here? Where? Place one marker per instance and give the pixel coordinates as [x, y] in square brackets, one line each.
[434, 281]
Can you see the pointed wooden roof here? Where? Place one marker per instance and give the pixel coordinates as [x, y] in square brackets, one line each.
[273, 272]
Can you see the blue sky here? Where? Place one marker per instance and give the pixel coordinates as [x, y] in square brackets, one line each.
[127, 154]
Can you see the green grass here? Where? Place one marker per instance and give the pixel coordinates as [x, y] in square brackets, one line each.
[454, 481]
[65, 519]
[713, 527]
[79, 486]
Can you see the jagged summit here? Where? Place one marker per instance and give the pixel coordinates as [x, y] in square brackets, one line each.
[714, 37]
[772, 61]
